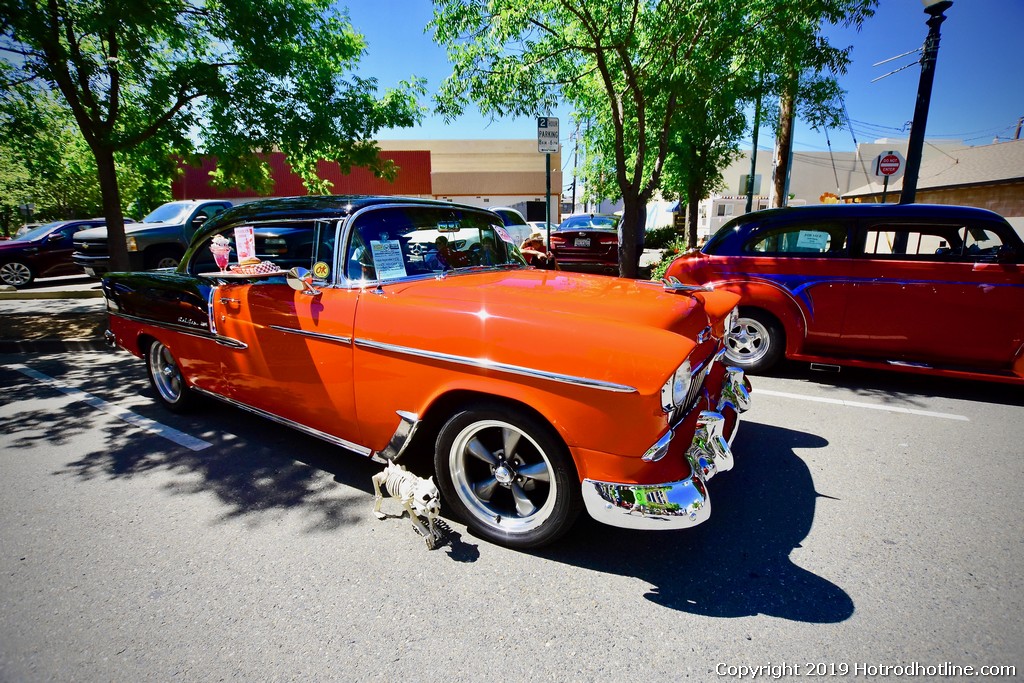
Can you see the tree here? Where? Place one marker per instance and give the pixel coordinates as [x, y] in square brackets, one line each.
[231, 78]
[622, 66]
[706, 137]
[803, 67]
[627, 66]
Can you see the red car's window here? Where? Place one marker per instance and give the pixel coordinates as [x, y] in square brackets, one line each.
[932, 242]
[804, 239]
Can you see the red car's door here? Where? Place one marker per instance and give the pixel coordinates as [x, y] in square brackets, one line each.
[934, 294]
[290, 353]
[801, 272]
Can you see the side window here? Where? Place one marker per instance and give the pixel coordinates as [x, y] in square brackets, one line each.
[981, 244]
[283, 245]
[931, 242]
[803, 239]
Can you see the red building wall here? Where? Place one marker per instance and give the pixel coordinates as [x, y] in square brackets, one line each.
[413, 178]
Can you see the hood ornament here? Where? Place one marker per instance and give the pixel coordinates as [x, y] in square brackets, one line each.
[672, 284]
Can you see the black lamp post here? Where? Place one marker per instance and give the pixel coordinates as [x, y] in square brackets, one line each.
[935, 9]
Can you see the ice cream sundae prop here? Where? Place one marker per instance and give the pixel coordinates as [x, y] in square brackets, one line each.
[221, 249]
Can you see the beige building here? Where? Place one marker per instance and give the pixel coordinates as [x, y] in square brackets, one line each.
[490, 173]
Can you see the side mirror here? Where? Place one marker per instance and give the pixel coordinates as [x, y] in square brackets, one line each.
[301, 280]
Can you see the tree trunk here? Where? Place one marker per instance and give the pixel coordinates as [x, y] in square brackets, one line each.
[692, 214]
[783, 145]
[634, 216]
[111, 193]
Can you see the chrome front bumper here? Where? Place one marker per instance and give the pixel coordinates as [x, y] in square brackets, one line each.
[678, 504]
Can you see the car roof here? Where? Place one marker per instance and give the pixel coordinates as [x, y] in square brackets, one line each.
[317, 207]
[937, 211]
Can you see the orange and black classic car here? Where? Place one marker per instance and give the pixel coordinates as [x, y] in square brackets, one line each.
[539, 393]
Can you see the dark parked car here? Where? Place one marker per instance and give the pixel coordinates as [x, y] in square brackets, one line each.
[158, 241]
[590, 240]
[43, 251]
[916, 288]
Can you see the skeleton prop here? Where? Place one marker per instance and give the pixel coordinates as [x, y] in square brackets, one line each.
[418, 496]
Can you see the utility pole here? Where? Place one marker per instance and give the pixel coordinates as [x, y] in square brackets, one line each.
[924, 96]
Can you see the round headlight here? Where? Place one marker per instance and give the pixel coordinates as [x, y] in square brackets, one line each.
[681, 383]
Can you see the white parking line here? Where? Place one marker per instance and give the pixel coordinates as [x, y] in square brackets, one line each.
[180, 438]
[858, 404]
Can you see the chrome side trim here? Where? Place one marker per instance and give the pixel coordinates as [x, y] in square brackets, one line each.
[401, 438]
[361, 450]
[192, 332]
[313, 335]
[486, 364]
[654, 507]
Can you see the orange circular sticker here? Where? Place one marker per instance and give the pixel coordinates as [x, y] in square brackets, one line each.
[321, 270]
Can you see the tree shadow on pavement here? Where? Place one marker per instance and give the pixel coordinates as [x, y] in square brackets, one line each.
[737, 563]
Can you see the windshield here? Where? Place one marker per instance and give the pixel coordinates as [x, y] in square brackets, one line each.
[36, 233]
[589, 223]
[175, 212]
[394, 243]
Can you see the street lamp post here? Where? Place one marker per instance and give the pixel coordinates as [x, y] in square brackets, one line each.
[935, 9]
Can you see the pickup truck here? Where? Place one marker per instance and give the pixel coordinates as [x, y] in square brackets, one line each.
[159, 241]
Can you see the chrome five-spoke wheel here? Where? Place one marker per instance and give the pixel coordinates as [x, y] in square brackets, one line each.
[167, 379]
[755, 342]
[507, 476]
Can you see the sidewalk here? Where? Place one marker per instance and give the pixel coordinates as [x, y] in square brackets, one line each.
[53, 316]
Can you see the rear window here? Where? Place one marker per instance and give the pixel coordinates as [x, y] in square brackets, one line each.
[589, 223]
[931, 242]
[803, 239]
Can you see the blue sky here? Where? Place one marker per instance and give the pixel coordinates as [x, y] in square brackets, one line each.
[978, 93]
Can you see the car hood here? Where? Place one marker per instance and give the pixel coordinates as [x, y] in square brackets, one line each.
[17, 245]
[129, 228]
[547, 319]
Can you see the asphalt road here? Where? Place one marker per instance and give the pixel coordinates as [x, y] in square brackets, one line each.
[871, 521]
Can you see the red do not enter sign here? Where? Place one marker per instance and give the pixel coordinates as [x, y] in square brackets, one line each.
[889, 165]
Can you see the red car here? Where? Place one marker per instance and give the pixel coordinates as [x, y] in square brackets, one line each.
[915, 288]
[589, 240]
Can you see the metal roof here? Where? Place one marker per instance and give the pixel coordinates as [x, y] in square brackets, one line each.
[963, 166]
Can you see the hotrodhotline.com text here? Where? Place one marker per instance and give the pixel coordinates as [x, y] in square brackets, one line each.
[822, 669]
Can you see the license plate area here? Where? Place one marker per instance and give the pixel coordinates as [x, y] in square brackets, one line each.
[582, 242]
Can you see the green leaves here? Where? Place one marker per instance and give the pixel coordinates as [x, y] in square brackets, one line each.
[231, 78]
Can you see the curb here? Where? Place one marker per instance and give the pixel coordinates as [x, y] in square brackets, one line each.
[53, 345]
[61, 294]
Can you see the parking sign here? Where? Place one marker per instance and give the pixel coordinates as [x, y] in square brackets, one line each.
[547, 134]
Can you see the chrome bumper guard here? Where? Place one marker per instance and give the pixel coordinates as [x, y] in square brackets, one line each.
[678, 504]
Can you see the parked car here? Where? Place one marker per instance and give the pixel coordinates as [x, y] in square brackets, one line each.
[916, 288]
[385, 352]
[515, 223]
[589, 240]
[43, 251]
[158, 241]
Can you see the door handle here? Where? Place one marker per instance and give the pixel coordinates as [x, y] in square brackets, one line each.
[225, 300]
